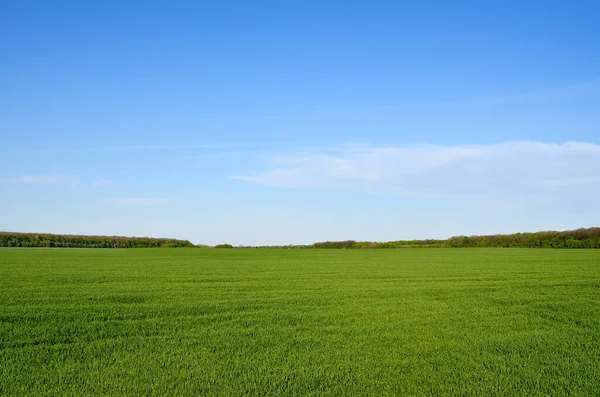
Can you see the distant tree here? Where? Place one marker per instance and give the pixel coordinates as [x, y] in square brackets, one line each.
[223, 246]
[8, 239]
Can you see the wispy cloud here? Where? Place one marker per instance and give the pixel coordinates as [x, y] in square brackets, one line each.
[141, 201]
[551, 92]
[503, 169]
[215, 155]
[132, 148]
[44, 179]
[103, 182]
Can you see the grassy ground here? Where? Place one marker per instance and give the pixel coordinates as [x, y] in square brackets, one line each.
[286, 322]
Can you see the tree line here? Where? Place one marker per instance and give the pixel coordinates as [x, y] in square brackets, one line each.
[580, 238]
[9, 239]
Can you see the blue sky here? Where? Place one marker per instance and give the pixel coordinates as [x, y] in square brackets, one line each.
[276, 122]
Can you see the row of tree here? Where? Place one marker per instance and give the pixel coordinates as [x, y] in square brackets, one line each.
[580, 238]
[8, 239]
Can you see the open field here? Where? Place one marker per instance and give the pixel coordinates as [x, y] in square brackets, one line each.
[299, 322]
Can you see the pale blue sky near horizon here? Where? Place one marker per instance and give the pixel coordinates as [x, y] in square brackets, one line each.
[291, 122]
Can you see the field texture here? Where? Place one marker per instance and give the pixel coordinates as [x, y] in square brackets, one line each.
[299, 322]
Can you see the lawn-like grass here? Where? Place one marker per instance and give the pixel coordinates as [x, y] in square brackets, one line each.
[299, 322]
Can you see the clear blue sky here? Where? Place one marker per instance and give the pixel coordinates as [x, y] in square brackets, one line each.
[255, 122]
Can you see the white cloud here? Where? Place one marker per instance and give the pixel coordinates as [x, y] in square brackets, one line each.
[141, 201]
[47, 179]
[516, 169]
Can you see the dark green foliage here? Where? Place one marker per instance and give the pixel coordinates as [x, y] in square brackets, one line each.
[580, 238]
[223, 246]
[403, 244]
[335, 244]
[208, 322]
[8, 239]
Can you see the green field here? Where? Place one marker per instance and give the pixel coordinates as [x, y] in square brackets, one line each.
[299, 322]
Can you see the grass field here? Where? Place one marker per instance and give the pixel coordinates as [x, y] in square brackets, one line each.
[299, 322]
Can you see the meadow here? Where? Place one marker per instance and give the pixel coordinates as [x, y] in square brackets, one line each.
[474, 321]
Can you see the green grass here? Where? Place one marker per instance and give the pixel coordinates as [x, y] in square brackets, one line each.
[299, 322]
